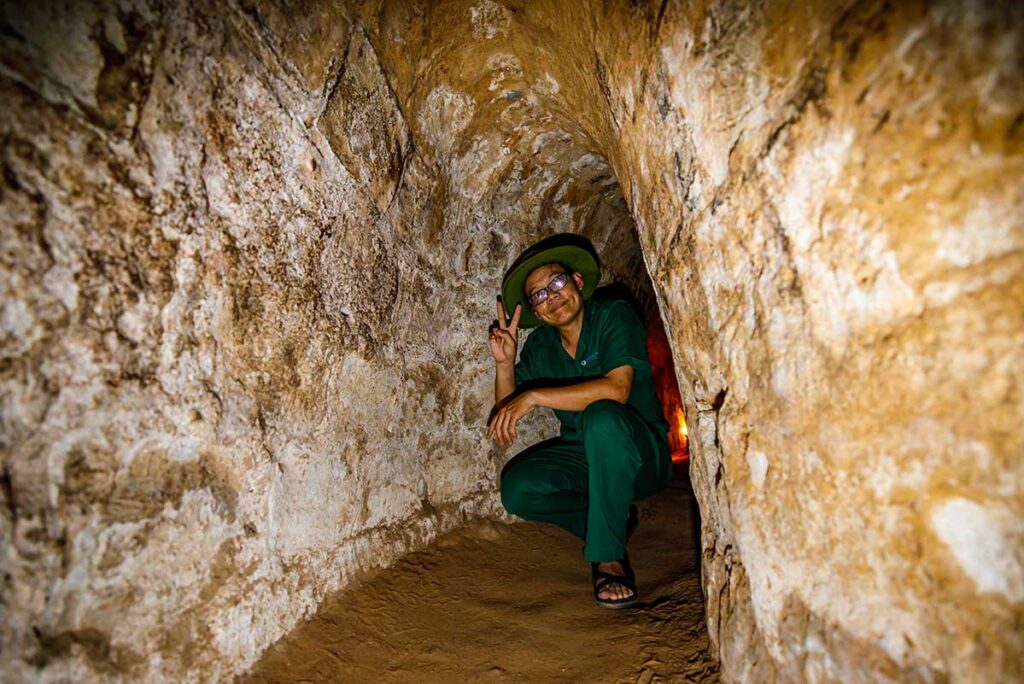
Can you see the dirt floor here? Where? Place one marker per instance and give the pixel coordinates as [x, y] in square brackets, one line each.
[494, 602]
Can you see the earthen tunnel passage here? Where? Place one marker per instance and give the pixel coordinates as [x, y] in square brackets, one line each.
[249, 254]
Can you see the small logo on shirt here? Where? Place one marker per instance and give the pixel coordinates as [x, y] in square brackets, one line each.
[591, 358]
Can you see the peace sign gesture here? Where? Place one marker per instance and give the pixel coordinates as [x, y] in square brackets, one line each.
[504, 335]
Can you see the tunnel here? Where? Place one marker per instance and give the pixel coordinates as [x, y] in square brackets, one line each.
[251, 250]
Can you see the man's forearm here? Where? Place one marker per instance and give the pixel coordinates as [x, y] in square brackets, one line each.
[504, 381]
[580, 395]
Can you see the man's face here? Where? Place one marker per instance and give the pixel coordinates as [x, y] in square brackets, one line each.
[560, 307]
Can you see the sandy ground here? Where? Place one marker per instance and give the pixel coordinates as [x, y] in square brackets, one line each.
[492, 602]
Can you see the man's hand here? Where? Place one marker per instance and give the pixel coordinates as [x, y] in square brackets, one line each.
[503, 427]
[504, 337]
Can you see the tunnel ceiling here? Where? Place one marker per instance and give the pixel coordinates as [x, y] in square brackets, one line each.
[500, 123]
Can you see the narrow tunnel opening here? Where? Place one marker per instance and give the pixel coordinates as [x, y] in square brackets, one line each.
[668, 389]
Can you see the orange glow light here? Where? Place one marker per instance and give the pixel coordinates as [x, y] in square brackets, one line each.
[680, 442]
[667, 389]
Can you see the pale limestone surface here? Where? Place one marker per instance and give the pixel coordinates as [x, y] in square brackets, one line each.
[249, 257]
[221, 399]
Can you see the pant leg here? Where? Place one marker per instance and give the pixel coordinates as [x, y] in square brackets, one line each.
[548, 483]
[626, 459]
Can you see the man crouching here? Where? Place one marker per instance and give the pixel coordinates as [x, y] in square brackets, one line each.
[588, 362]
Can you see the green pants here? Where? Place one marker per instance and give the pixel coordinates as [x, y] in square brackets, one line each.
[586, 487]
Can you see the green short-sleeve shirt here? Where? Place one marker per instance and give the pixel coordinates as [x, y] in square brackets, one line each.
[612, 336]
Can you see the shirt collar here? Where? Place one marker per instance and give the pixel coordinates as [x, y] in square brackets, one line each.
[551, 336]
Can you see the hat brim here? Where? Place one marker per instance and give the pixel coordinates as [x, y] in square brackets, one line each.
[577, 259]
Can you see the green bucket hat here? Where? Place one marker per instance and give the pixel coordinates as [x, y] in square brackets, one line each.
[575, 251]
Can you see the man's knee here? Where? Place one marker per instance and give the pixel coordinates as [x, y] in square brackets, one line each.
[606, 428]
[605, 419]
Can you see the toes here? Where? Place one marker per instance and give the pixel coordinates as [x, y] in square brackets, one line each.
[615, 591]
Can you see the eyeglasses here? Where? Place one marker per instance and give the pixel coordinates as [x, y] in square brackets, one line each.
[554, 285]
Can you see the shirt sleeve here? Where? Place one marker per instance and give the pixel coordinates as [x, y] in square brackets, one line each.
[623, 340]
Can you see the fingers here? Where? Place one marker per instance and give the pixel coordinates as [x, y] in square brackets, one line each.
[506, 339]
[503, 344]
[503, 428]
[515, 319]
[492, 429]
[497, 429]
[502, 319]
[497, 348]
[508, 428]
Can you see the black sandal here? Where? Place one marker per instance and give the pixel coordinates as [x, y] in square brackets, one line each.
[603, 579]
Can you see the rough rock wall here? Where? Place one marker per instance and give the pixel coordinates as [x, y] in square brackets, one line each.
[245, 297]
[220, 397]
[831, 204]
[203, 387]
[829, 199]
[248, 249]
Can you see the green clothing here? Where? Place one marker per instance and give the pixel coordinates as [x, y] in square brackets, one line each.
[612, 336]
[608, 454]
[586, 487]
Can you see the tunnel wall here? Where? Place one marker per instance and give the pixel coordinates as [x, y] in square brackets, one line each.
[248, 253]
[245, 303]
[829, 199]
[229, 384]
[830, 203]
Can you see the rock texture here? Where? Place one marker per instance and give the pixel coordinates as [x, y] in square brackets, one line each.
[249, 250]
